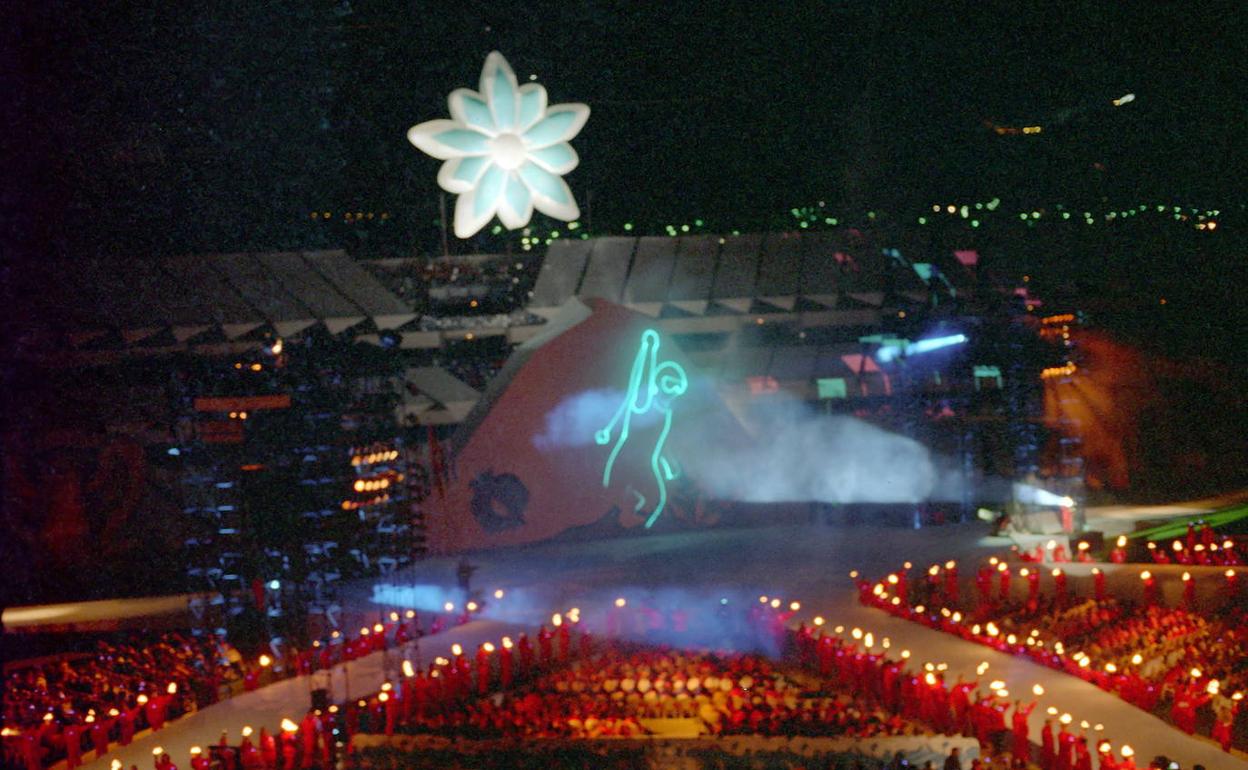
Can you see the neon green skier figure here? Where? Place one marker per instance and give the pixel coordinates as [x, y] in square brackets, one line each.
[648, 379]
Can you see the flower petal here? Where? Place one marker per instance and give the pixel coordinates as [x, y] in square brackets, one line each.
[557, 158]
[532, 105]
[475, 208]
[517, 206]
[490, 189]
[459, 175]
[468, 107]
[498, 85]
[562, 122]
[445, 139]
[551, 195]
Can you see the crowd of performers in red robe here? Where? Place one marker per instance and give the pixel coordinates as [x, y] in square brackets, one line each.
[564, 684]
[64, 709]
[960, 707]
[612, 690]
[1177, 662]
[1200, 547]
[69, 706]
[568, 686]
[571, 687]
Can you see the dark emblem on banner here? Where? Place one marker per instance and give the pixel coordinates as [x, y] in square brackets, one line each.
[498, 501]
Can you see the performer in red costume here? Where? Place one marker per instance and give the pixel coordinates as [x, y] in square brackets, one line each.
[73, 745]
[483, 670]
[268, 749]
[1022, 743]
[1048, 753]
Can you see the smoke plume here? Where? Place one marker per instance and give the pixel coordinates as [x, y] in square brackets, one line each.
[799, 455]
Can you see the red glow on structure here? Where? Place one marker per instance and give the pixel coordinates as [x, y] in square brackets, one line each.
[863, 366]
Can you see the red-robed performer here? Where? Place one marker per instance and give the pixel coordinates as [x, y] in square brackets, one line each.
[545, 645]
[100, 730]
[483, 668]
[565, 641]
[268, 749]
[1022, 743]
[229, 760]
[951, 582]
[73, 745]
[391, 707]
[1048, 746]
[248, 755]
[526, 655]
[505, 664]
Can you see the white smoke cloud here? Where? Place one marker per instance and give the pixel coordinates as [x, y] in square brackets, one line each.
[792, 454]
[575, 420]
[799, 455]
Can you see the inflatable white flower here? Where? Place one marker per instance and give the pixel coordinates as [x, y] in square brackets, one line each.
[506, 151]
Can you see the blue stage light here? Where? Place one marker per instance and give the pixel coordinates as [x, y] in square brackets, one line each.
[888, 353]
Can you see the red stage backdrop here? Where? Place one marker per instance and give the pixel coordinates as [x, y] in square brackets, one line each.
[526, 466]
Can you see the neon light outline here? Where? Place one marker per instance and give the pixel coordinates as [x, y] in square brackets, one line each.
[668, 378]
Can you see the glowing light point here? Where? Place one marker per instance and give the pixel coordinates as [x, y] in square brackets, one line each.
[506, 151]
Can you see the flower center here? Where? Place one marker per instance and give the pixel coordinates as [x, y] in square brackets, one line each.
[508, 151]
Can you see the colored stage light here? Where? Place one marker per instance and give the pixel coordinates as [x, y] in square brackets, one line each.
[890, 352]
[652, 386]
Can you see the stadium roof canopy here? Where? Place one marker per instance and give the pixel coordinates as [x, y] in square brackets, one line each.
[83, 314]
[745, 274]
[164, 304]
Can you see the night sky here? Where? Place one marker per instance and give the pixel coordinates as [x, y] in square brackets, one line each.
[142, 129]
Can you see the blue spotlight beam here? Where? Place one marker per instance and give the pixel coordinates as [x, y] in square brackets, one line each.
[888, 353]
